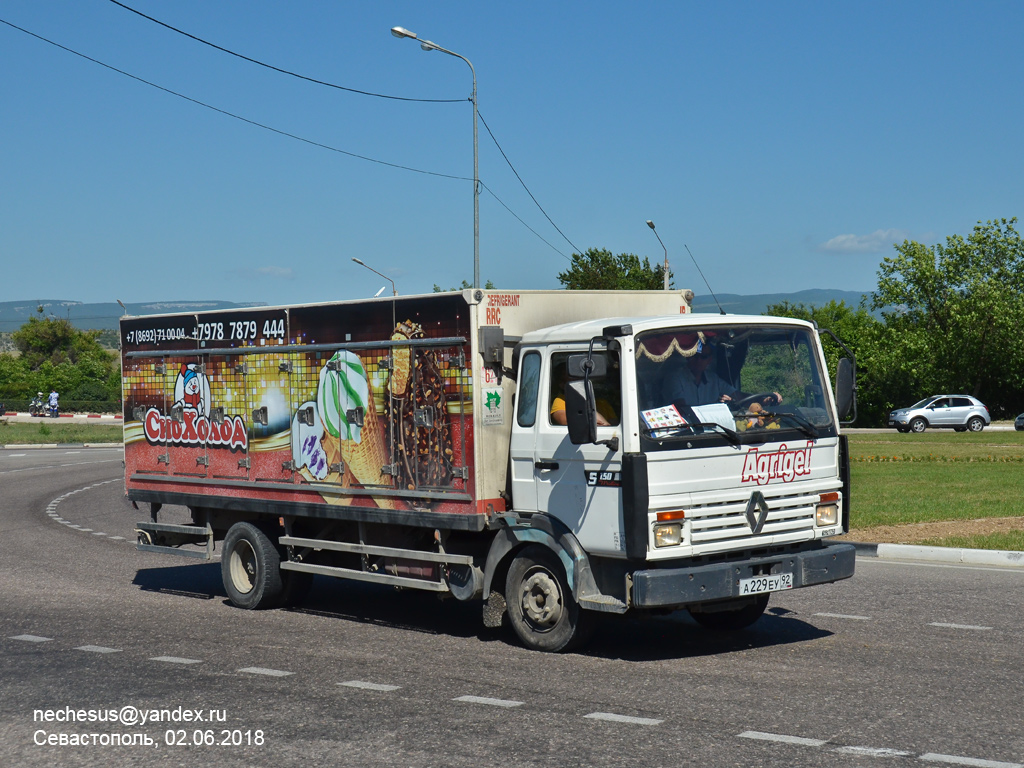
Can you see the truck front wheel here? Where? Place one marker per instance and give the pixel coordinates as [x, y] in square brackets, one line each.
[541, 608]
[250, 567]
[732, 619]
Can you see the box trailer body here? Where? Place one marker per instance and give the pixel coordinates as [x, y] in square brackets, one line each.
[412, 442]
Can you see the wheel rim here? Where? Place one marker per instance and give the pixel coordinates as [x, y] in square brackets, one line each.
[975, 425]
[541, 599]
[917, 426]
[243, 567]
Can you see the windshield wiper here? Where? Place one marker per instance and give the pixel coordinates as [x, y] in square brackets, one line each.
[688, 430]
[802, 422]
[730, 434]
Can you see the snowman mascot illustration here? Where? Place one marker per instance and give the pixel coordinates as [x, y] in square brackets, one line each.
[191, 391]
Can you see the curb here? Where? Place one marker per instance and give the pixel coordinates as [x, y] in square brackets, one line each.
[68, 415]
[28, 446]
[996, 557]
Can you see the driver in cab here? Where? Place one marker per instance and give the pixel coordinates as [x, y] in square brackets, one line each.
[697, 383]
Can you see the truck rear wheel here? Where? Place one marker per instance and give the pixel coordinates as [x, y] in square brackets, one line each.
[541, 608]
[250, 567]
[732, 619]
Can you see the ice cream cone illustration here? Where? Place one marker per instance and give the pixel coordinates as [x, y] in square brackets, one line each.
[422, 453]
[401, 360]
[342, 394]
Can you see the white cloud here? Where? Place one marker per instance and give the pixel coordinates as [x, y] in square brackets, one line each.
[878, 241]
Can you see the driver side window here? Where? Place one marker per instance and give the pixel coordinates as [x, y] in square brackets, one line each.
[607, 389]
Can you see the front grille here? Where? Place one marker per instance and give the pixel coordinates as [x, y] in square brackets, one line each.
[726, 522]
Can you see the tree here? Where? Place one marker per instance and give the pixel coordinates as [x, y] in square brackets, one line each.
[958, 311]
[598, 269]
[56, 355]
[861, 332]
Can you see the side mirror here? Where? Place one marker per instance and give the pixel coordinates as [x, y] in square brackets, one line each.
[844, 387]
[578, 365]
[581, 412]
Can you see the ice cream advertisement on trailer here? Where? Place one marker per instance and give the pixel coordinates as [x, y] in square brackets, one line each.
[346, 403]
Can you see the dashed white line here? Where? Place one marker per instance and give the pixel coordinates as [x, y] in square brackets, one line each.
[265, 671]
[843, 616]
[957, 626]
[761, 736]
[370, 686]
[97, 649]
[873, 752]
[971, 761]
[613, 718]
[176, 660]
[31, 638]
[489, 702]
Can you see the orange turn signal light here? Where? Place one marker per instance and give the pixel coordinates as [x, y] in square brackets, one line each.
[676, 514]
[825, 498]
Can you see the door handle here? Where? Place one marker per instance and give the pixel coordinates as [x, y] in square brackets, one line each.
[546, 464]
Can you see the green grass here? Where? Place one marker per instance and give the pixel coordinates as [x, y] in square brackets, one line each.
[46, 431]
[938, 476]
[1012, 541]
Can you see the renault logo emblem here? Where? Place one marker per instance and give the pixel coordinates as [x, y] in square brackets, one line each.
[757, 511]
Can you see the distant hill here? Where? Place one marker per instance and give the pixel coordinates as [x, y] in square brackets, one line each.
[735, 304]
[104, 316]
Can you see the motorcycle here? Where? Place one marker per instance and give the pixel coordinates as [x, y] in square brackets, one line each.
[38, 407]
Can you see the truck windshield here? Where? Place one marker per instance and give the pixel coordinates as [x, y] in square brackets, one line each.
[739, 383]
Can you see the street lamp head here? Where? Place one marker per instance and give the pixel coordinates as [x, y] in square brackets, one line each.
[402, 32]
[650, 224]
[357, 261]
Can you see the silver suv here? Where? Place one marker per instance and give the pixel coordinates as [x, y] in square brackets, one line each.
[961, 412]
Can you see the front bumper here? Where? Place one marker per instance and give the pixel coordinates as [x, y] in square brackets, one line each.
[676, 587]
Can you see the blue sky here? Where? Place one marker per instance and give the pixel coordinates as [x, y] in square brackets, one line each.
[787, 144]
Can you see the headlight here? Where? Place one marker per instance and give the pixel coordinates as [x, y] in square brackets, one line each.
[827, 514]
[668, 535]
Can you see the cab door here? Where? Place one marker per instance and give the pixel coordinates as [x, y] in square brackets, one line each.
[581, 485]
[522, 449]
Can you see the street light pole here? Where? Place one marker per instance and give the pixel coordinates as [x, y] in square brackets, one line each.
[651, 225]
[426, 45]
[394, 291]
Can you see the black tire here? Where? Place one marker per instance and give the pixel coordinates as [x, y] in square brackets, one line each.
[733, 620]
[976, 424]
[959, 429]
[541, 608]
[250, 567]
[902, 429]
[918, 425]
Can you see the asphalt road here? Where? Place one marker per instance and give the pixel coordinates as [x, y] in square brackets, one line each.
[905, 664]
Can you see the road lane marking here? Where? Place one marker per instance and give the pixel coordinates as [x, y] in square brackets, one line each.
[873, 752]
[176, 660]
[957, 626]
[971, 761]
[370, 686]
[613, 718]
[265, 671]
[31, 638]
[761, 736]
[97, 649]
[489, 702]
[842, 616]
